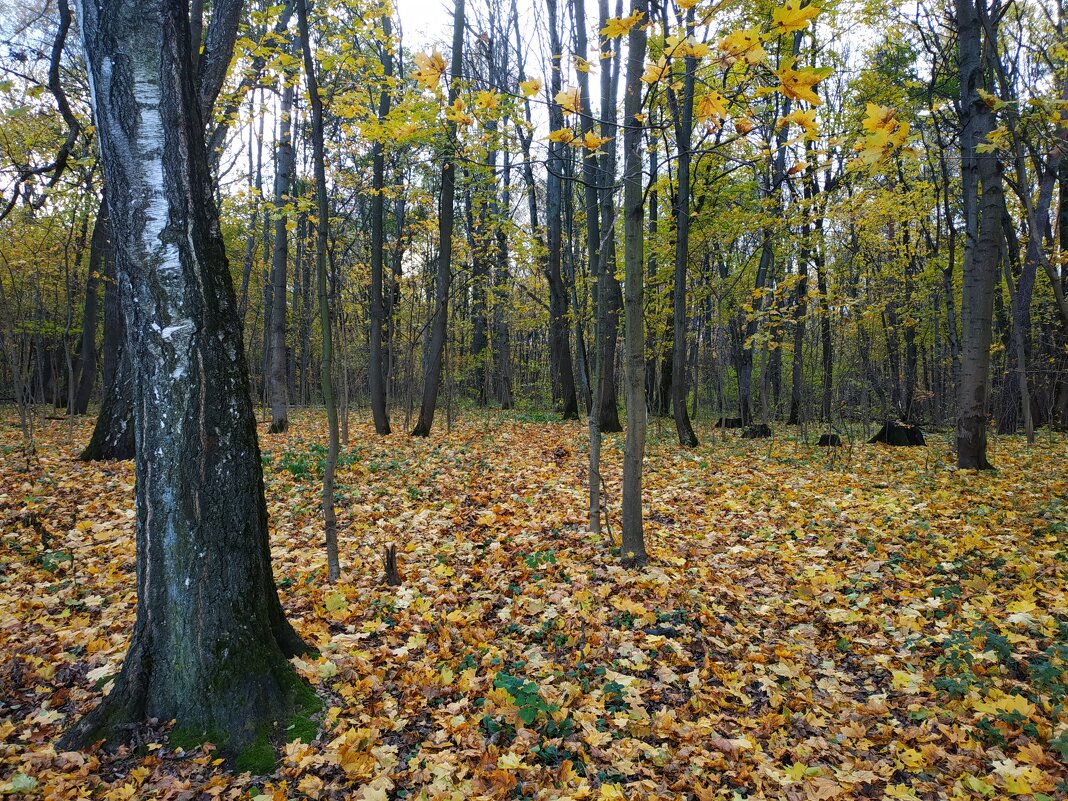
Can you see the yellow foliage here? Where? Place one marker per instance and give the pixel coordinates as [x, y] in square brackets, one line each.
[568, 99]
[744, 46]
[619, 26]
[792, 17]
[428, 69]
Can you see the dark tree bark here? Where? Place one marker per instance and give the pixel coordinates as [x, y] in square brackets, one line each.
[446, 220]
[562, 368]
[210, 641]
[87, 356]
[284, 166]
[113, 434]
[826, 333]
[376, 368]
[633, 537]
[683, 134]
[591, 178]
[609, 419]
[984, 203]
[797, 366]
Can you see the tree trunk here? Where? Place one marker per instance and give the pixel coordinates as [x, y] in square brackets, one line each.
[633, 538]
[376, 367]
[87, 360]
[210, 641]
[501, 334]
[983, 212]
[797, 371]
[322, 243]
[284, 166]
[609, 418]
[446, 219]
[591, 178]
[559, 342]
[683, 133]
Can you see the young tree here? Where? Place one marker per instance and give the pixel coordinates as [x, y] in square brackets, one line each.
[633, 538]
[322, 244]
[683, 134]
[210, 641]
[376, 368]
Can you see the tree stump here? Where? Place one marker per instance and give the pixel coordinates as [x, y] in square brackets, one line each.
[759, 431]
[899, 434]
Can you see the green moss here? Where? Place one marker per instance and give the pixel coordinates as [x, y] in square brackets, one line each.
[190, 739]
[303, 724]
[305, 708]
[259, 757]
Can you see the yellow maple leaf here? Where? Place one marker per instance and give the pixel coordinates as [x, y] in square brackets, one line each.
[562, 135]
[456, 112]
[530, 87]
[792, 17]
[582, 65]
[568, 100]
[744, 46]
[799, 84]
[654, 72]
[428, 69]
[806, 119]
[618, 26]
[488, 100]
[592, 141]
[744, 125]
[900, 792]
[711, 106]
[879, 118]
[511, 762]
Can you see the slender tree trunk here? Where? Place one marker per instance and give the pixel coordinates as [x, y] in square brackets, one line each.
[283, 170]
[322, 244]
[683, 134]
[609, 419]
[501, 334]
[87, 361]
[559, 344]
[210, 641]
[255, 181]
[376, 367]
[797, 367]
[633, 544]
[591, 178]
[826, 332]
[446, 220]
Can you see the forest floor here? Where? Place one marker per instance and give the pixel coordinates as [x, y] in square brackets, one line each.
[865, 623]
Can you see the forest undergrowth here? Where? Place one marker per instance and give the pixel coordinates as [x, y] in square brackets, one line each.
[864, 622]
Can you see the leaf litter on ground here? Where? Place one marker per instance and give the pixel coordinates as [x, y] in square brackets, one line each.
[864, 624]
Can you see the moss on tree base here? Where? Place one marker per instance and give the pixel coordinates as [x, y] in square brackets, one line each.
[259, 757]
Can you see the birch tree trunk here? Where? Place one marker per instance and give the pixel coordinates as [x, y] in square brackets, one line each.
[210, 640]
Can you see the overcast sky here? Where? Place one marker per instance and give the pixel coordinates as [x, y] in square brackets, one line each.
[426, 21]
